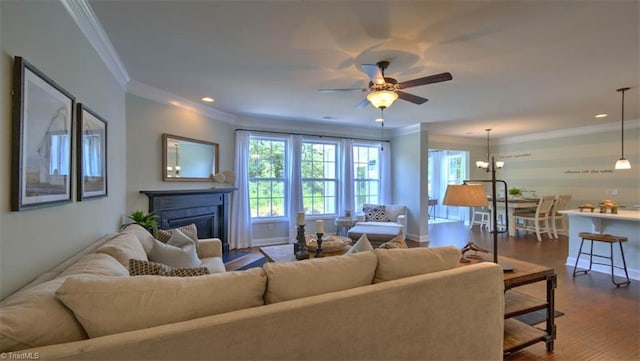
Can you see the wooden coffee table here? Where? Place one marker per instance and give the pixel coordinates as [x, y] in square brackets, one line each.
[518, 335]
[284, 253]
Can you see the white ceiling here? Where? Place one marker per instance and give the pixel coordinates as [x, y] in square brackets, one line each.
[518, 67]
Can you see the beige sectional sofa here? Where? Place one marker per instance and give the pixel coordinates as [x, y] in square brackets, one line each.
[388, 304]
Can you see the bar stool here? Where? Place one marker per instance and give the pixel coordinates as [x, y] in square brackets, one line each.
[606, 238]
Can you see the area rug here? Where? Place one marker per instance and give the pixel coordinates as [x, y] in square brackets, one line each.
[536, 317]
[254, 264]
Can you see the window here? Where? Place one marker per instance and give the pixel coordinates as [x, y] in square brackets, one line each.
[319, 183]
[366, 174]
[267, 177]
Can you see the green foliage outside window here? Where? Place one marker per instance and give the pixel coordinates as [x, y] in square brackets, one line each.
[268, 182]
[267, 177]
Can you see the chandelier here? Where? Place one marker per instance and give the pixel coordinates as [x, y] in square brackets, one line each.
[485, 164]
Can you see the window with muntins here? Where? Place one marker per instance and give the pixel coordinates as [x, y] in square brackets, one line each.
[267, 177]
[366, 174]
[319, 180]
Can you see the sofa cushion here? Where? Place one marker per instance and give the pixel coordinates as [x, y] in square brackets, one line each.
[146, 268]
[179, 251]
[111, 305]
[395, 242]
[400, 263]
[361, 245]
[124, 247]
[97, 264]
[377, 232]
[375, 213]
[34, 317]
[292, 280]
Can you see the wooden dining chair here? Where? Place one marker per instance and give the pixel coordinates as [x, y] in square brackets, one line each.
[480, 216]
[537, 222]
[559, 221]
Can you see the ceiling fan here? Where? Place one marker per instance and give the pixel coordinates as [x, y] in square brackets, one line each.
[383, 91]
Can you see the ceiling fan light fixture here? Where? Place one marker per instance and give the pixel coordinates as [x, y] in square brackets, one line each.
[382, 98]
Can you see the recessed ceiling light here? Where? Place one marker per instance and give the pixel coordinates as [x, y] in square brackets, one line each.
[207, 99]
[603, 115]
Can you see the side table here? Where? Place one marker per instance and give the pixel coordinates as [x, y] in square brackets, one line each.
[343, 224]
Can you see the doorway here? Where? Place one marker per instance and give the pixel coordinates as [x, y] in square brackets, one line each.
[445, 167]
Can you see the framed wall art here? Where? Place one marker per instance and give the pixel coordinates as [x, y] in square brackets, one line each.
[42, 139]
[92, 154]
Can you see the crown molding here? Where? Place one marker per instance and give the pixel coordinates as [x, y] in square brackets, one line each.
[86, 19]
[149, 92]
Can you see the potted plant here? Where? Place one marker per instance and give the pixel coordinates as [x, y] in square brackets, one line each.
[145, 220]
[515, 192]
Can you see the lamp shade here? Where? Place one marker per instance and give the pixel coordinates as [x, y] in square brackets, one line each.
[623, 164]
[465, 195]
[382, 98]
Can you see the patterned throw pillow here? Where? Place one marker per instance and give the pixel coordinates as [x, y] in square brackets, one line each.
[375, 213]
[146, 268]
[189, 230]
[396, 242]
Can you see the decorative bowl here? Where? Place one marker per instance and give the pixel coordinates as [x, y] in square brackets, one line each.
[330, 243]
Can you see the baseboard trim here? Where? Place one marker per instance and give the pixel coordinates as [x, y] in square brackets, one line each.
[268, 241]
[634, 274]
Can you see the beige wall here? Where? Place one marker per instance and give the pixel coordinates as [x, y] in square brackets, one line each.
[31, 242]
[576, 163]
[146, 121]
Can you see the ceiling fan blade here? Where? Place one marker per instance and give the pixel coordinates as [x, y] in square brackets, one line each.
[361, 90]
[411, 98]
[363, 103]
[426, 80]
[374, 73]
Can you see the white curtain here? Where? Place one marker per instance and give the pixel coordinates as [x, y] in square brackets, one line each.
[345, 174]
[294, 200]
[385, 173]
[240, 234]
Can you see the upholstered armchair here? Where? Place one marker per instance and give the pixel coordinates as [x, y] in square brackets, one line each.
[380, 222]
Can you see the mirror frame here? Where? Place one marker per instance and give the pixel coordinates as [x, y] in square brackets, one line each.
[165, 156]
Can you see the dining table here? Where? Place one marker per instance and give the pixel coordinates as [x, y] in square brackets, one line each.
[514, 205]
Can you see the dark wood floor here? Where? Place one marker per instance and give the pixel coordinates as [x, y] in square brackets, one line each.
[601, 322]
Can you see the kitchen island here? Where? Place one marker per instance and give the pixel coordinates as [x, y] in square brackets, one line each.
[624, 223]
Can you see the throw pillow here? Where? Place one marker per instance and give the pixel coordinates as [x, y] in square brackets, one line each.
[396, 242]
[399, 263]
[179, 251]
[145, 268]
[375, 213]
[362, 245]
[190, 230]
[109, 305]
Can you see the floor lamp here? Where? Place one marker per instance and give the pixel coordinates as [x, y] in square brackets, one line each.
[473, 195]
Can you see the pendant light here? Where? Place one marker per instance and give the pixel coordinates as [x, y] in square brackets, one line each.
[622, 163]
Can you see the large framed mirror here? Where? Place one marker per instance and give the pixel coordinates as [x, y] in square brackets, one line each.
[186, 159]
